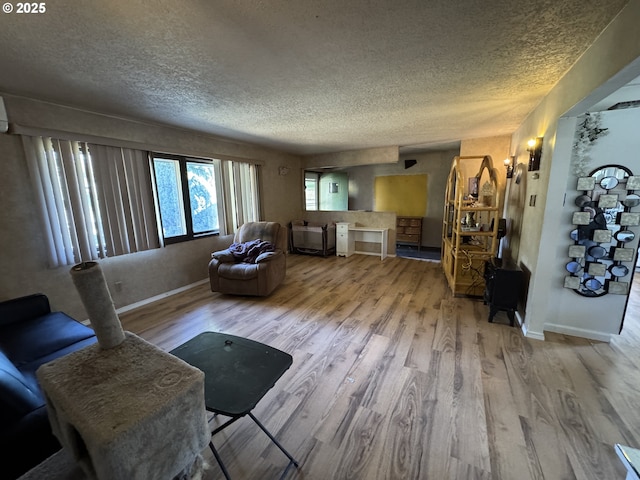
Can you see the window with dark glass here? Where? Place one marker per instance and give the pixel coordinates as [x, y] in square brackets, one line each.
[187, 196]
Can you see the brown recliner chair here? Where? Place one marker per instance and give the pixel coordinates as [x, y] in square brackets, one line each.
[228, 274]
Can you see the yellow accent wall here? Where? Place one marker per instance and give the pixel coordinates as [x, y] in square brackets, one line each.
[404, 194]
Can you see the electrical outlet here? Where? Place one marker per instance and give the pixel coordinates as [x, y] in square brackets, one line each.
[532, 200]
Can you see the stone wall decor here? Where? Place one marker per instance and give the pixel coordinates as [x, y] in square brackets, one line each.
[588, 132]
[633, 182]
[601, 255]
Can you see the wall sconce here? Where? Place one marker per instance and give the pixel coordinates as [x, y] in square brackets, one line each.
[509, 164]
[535, 153]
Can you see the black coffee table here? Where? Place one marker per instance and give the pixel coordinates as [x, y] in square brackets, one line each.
[238, 372]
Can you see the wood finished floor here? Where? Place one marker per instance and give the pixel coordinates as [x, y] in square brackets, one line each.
[393, 378]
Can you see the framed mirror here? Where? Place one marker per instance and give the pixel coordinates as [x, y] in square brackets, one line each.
[597, 252]
[579, 233]
[624, 236]
[592, 284]
[609, 183]
[603, 235]
[583, 200]
[632, 200]
[619, 270]
[573, 267]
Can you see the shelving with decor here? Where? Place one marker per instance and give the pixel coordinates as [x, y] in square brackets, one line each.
[470, 224]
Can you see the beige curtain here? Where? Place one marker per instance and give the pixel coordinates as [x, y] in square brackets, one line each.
[242, 193]
[125, 197]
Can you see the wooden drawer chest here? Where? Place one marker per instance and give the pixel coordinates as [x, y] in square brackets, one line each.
[409, 230]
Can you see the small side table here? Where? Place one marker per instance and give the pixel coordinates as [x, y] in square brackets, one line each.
[238, 372]
[503, 284]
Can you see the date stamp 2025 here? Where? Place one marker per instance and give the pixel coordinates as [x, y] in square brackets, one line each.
[26, 7]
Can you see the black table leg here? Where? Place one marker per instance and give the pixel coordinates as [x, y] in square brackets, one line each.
[222, 467]
[492, 312]
[292, 461]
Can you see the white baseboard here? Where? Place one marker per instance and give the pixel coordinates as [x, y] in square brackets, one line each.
[526, 332]
[578, 332]
[531, 334]
[147, 301]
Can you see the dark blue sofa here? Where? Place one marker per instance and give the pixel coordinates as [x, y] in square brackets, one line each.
[30, 335]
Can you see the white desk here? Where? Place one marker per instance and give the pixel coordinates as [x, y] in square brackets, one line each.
[347, 234]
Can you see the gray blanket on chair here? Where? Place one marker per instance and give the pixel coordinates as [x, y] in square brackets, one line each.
[248, 252]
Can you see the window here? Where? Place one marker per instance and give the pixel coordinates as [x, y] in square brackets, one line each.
[97, 201]
[311, 190]
[187, 197]
[169, 188]
[202, 195]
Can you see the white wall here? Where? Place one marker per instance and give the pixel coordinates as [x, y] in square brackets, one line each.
[609, 57]
[573, 314]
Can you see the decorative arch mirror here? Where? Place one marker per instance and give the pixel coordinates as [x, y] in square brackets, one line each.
[602, 233]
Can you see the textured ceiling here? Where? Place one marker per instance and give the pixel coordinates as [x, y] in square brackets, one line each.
[304, 76]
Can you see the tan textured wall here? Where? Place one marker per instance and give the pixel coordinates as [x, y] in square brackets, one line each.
[497, 148]
[435, 165]
[366, 156]
[23, 268]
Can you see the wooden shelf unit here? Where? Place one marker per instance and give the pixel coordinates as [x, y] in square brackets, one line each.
[464, 248]
[409, 231]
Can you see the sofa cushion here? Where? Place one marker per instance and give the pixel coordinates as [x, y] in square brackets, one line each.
[30, 335]
[267, 256]
[17, 396]
[224, 256]
[267, 231]
[29, 340]
[238, 271]
[23, 308]
[29, 370]
[27, 443]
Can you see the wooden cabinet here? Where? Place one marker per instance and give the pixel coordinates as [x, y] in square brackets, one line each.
[470, 224]
[409, 231]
